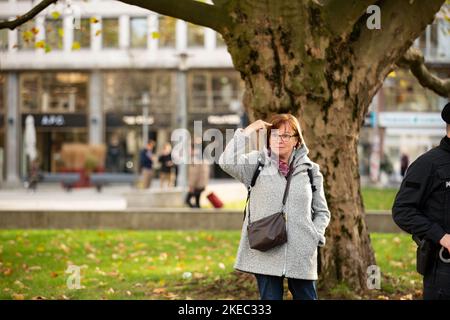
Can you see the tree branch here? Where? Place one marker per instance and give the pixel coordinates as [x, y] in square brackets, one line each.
[12, 24]
[377, 51]
[192, 11]
[341, 15]
[414, 60]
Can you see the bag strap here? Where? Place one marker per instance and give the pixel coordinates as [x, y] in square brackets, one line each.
[255, 176]
[252, 183]
[311, 180]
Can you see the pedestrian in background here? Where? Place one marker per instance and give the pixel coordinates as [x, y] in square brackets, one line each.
[166, 174]
[198, 178]
[146, 164]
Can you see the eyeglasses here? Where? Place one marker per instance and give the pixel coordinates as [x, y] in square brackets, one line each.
[284, 137]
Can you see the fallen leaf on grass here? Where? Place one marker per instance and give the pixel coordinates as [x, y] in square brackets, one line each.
[18, 296]
[159, 290]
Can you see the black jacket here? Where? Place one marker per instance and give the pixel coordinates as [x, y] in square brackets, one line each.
[422, 205]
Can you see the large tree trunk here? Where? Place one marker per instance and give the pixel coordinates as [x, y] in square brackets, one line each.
[290, 66]
[319, 61]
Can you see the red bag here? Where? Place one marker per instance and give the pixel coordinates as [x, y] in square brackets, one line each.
[215, 201]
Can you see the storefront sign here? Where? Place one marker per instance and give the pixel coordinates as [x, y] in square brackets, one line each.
[232, 119]
[119, 120]
[411, 119]
[57, 120]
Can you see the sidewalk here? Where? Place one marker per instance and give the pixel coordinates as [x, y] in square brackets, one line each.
[54, 197]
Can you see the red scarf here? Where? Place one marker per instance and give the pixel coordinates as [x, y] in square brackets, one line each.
[283, 167]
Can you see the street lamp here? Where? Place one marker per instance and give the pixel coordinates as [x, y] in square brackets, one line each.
[145, 105]
[182, 117]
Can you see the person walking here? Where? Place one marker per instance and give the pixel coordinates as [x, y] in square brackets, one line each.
[422, 208]
[284, 158]
[198, 178]
[146, 164]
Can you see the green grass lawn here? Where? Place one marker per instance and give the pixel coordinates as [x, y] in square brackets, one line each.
[374, 199]
[122, 264]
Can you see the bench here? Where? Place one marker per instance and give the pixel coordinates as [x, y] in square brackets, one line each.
[68, 180]
[101, 179]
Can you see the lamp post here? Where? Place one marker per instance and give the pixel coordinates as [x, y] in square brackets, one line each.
[182, 117]
[145, 105]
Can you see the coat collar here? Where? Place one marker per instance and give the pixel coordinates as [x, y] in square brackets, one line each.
[299, 156]
[445, 144]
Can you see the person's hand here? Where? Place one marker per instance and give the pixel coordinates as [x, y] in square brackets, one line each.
[445, 242]
[256, 126]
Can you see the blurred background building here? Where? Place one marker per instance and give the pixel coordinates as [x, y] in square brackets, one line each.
[95, 78]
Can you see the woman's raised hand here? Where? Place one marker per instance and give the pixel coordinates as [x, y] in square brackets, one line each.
[256, 126]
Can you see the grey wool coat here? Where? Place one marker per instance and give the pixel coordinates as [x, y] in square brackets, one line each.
[297, 258]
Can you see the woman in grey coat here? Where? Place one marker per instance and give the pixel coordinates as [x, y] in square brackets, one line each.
[307, 214]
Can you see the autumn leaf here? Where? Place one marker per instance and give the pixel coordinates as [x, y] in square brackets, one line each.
[39, 298]
[98, 32]
[18, 296]
[35, 30]
[55, 15]
[94, 20]
[40, 44]
[155, 35]
[61, 32]
[159, 290]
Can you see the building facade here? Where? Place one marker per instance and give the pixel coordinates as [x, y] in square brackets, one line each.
[86, 70]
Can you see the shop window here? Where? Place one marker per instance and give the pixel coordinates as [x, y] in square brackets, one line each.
[54, 92]
[198, 92]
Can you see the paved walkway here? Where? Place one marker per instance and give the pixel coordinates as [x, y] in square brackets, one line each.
[54, 197]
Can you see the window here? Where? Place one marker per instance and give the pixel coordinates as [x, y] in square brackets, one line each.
[402, 92]
[219, 40]
[29, 92]
[167, 32]
[3, 39]
[138, 27]
[122, 91]
[110, 32]
[54, 33]
[196, 35]
[161, 92]
[225, 89]
[26, 35]
[82, 35]
[198, 92]
[54, 92]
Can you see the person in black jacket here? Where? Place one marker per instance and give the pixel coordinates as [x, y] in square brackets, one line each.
[422, 208]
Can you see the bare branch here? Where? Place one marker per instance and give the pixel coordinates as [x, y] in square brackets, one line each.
[12, 24]
[402, 21]
[414, 60]
[192, 11]
[342, 15]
